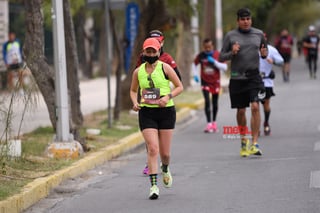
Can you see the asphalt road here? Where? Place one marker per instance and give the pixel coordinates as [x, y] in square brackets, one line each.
[209, 175]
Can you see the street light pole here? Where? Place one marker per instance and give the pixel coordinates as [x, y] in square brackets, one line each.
[62, 109]
[108, 56]
[64, 145]
[219, 34]
[195, 27]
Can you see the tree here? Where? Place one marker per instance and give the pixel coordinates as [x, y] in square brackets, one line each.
[119, 67]
[76, 118]
[273, 15]
[84, 42]
[44, 74]
[161, 20]
[208, 19]
[184, 51]
[33, 50]
[149, 20]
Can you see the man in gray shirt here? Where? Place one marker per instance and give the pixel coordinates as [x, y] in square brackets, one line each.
[244, 46]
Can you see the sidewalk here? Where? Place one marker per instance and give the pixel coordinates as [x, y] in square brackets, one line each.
[93, 98]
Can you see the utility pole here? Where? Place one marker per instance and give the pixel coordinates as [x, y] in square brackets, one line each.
[219, 31]
[195, 27]
[194, 31]
[4, 26]
[108, 56]
[64, 146]
[62, 109]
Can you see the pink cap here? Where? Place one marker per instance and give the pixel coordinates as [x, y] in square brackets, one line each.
[151, 42]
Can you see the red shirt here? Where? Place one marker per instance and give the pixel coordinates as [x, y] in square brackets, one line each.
[209, 73]
[284, 44]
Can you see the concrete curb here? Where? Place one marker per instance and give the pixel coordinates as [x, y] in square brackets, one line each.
[196, 105]
[41, 187]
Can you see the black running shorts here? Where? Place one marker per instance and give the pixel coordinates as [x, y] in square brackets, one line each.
[244, 92]
[157, 118]
[269, 92]
[243, 99]
[286, 57]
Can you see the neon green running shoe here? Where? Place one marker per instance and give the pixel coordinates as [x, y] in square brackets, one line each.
[244, 151]
[167, 178]
[154, 192]
[255, 150]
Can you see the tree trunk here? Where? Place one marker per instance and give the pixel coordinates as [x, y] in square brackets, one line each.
[184, 52]
[84, 42]
[75, 117]
[208, 17]
[34, 53]
[149, 20]
[72, 68]
[43, 73]
[102, 48]
[119, 68]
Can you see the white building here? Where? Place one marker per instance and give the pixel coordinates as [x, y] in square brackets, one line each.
[4, 26]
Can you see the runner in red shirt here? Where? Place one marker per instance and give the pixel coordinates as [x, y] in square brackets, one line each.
[284, 45]
[210, 81]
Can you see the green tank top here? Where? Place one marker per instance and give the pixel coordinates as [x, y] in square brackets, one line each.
[159, 81]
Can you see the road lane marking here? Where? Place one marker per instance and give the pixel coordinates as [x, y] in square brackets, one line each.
[315, 179]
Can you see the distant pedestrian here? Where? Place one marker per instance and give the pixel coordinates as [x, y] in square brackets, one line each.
[284, 44]
[210, 81]
[266, 65]
[242, 46]
[157, 113]
[299, 46]
[164, 57]
[311, 43]
[12, 56]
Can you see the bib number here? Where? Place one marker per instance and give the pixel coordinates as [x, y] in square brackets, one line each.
[208, 70]
[150, 96]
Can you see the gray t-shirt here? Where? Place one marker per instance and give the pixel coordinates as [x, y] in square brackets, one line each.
[246, 62]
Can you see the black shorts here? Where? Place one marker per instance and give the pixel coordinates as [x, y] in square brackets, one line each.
[244, 92]
[157, 118]
[286, 57]
[243, 99]
[269, 92]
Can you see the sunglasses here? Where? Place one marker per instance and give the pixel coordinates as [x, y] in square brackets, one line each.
[151, 84]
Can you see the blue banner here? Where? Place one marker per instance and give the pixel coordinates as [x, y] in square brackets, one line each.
[131, 30]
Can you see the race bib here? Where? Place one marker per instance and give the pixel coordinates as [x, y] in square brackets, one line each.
[150, 96]
[208, 70]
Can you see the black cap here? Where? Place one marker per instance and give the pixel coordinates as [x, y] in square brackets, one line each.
[243, 12]
[155, 33]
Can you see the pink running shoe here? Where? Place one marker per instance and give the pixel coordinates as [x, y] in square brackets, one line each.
[214, 126]
[145, 170]
[208, 128]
